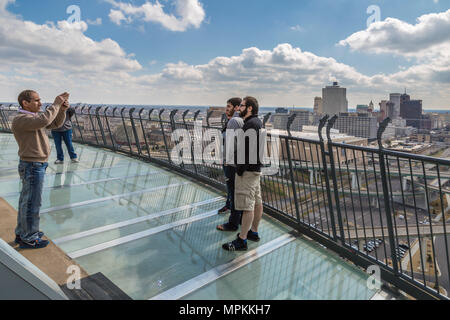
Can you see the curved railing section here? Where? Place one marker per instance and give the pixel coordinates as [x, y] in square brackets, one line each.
[373, 206]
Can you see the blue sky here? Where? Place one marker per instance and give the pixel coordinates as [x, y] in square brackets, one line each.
[229, 27]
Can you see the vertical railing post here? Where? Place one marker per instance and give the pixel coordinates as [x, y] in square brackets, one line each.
[86, 124]
[192, 139]
[143, 130]
[266, 118]
[290, 122]
[114, 116]
[224, 119]
[133, 126]
[172, 119]
[208, 116]
[387, 205]
[330, 125]
[92, 123]
[109, 128]
[196, 114]
[100, 125]
[324, 154]
[291, 173]
[164, 135]
[172, 125]
[78, 123]
[125, 129]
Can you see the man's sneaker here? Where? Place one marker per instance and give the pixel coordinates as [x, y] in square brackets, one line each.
[236, 245]
[252, 236]
[36, 244]
[59, 162]
[18, 240]
[223, 210]
[75, 160]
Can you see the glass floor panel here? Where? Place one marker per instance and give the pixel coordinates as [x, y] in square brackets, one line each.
[70, 221]
[167, 236]
[59, 197]
[299, 270]
[153, 222]
[149, 266]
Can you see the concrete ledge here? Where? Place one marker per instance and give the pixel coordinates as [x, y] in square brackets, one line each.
[51, 260]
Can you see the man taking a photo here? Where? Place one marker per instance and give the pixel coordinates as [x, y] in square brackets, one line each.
[34, 150]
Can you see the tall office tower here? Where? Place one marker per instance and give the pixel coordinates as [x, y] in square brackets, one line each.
[318, 105]
[387, 109]
[334, 99]
[411, 110]
[396, 99]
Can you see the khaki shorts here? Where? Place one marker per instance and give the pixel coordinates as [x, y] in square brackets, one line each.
[247, 191]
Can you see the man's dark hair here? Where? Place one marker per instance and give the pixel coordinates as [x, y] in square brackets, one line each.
[252, 102]
[235, 102]
[25, 95]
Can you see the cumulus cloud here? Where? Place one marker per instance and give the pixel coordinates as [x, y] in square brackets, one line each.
[63, 46]
[430, 35]
[117, 16]
[426, 43]
[190, 14]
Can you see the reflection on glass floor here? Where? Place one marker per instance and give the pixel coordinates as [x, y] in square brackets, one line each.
[153, 234]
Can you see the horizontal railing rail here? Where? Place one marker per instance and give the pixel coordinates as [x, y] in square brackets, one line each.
[373, 206]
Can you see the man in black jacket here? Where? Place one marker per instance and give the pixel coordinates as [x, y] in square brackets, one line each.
[248, 176]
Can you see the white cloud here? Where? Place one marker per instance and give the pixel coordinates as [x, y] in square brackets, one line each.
[427, 43]
[428, 37]
[190, 14]
[116, 16]
[60, 47]
[296, 28]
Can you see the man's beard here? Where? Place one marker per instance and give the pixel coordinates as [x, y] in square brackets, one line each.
[242, 114]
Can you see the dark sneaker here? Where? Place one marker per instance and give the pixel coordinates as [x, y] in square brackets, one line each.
[18, 240]
[253, 236]
[236, 245]
[226, 227]
[223, 210]
[36, 244]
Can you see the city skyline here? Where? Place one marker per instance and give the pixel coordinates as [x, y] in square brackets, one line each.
[138, 53]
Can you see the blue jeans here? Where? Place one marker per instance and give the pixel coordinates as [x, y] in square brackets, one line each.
[235, 216]
[67, 137]
[32, 176]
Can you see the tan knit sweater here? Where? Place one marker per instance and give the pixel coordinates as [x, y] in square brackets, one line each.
[29, 131]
